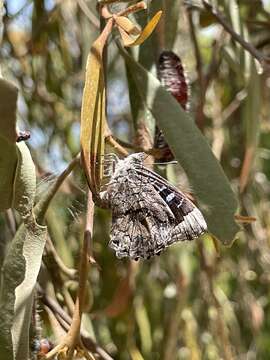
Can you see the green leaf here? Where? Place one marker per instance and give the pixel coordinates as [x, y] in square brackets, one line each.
[138, 109]
[19, 273]
[17, 170]
[8, 154]
[209, 183]
[25, 181]
[8, 106]
[251, 114]
[8, 163]
[147, 31]
[22, 261]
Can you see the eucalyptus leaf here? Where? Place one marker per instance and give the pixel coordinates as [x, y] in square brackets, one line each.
[8, 153]
[8, 163]
[93, 114]
[23, 257]
[252, 124]
[209, 183]
[25, 181]
[8, 107]
[19, 273]
[17, 170]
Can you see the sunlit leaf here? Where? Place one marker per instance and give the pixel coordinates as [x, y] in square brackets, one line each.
[126, 38]
[127, 25]
[147, 31]
[93, 113]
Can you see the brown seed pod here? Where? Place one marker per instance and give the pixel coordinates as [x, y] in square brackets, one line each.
[172, 76]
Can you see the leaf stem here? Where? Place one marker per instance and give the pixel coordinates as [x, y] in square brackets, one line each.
[73, 336]
[92, 18]
[70, 273]
[72, 339]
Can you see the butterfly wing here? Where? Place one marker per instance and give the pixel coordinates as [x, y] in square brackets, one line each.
[138, 235]
[148, 213]
[141, 222]
[189, 221]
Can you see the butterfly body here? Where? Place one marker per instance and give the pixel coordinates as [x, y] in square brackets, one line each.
[148, 213]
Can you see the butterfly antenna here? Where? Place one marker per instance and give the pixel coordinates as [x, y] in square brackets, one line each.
[173, 162]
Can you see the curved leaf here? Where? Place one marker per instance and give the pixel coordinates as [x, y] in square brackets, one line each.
[127, 25]
[25, 181]
[93, 113]
[8, 107]
[8, 163]
[147, 31]
[22, 261]
[8, 154]
[19, 273]
[209, 183]
[17, 170]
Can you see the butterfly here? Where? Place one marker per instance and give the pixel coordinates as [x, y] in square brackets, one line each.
[148, 213]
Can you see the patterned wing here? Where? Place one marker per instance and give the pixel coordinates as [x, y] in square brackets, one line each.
[148, 213]
[141, 223]
[139, 235]
[189, 221]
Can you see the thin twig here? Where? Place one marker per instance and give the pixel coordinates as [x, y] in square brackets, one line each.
[93, 19]
[115, 144]
[72, 340]
[263, 59]
[216, 59]
[56, 326]
[65, 321]
[74, 331]
[71, 273]
[196, 48]
[234, 105]
[133, 8]
[43, 204]
[120, 146]
[200, 114]
[68, 299]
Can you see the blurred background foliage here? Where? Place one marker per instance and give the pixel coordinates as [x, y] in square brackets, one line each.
[189, 303]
